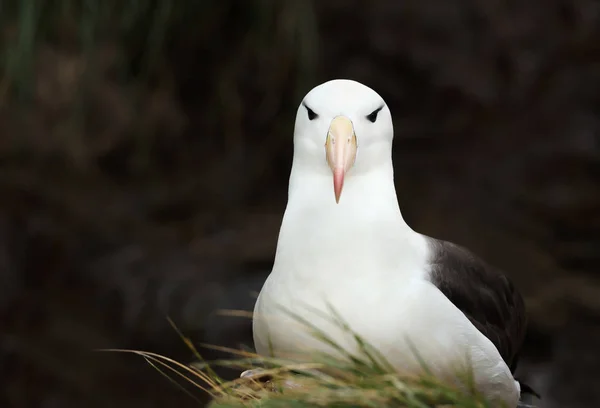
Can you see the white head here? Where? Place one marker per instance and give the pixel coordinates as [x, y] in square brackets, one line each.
[344, 129]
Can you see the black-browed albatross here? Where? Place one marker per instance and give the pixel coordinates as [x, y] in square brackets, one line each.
[344, 245]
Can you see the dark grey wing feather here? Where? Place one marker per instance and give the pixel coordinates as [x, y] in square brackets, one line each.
[484, 294]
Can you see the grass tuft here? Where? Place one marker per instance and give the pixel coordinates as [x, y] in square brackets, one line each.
[363, 380]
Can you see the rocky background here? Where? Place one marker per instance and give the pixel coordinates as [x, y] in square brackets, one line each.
[145, 150]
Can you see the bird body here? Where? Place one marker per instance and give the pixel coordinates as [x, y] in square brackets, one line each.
[353, 253]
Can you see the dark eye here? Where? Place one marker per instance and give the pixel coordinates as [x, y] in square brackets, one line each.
[372, 117]
[311, 114]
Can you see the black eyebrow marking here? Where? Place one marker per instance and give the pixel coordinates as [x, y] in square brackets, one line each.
[372, 117]
[311, 113]
[379, 109]
[305, 105]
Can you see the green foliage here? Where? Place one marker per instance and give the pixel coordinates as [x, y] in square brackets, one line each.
[83, 80]
[143, 28]
[82, 25]
[352, 380]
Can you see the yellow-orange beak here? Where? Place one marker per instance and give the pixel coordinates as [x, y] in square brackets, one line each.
[340, 150]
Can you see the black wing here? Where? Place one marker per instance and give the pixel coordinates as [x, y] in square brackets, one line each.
[484, 294]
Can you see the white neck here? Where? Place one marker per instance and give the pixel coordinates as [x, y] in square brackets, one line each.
[367, 196]
[317, 235]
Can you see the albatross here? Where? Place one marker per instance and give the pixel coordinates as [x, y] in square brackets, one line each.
[344, 246]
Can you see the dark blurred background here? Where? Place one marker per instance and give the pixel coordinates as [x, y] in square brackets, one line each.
[145, 149]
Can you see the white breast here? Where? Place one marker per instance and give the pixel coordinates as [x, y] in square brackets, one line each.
[371, 268]
[388, 317]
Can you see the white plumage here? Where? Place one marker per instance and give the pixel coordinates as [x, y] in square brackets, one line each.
[359, 256]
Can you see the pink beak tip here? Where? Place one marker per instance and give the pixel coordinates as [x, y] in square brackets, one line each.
[338, 183]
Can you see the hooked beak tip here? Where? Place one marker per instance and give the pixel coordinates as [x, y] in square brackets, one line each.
[338, 183]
